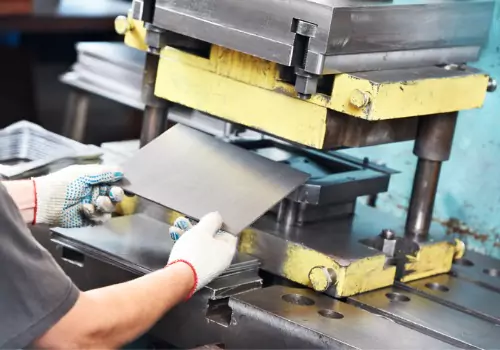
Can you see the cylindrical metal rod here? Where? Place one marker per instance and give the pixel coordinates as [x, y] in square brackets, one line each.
[155, 112]
[75, 121]
[152, 124]
[432, 146]
[422, 198]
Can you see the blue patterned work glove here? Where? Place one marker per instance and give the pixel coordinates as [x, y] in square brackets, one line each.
[78, 195]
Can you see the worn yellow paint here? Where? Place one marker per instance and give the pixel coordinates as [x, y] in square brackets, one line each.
[127, 206]
[247, 90]
[424, 96]
[135, 36]
[357, 277]
[367, 274]
[432, 259]
[193, 81]
[352, 278]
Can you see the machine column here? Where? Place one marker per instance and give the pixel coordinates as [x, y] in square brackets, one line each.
[432, 147]
[155, 111]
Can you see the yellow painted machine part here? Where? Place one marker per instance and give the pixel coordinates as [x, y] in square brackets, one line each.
[432, 259]
[246, 90]
[357, 277]
[135, 34]
[192, 81]
[409, 98]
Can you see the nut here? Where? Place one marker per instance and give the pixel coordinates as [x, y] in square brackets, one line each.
[322, 278]
[359, 98]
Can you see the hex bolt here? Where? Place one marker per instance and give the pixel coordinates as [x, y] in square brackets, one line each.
[123, 25]
[388, 234]
[322, 278]
[359, 98]
[492, 85]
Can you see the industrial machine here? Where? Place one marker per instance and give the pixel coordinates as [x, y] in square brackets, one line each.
[316, 76]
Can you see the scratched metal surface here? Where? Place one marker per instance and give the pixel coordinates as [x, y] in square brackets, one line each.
[468, 200]
[194, 173]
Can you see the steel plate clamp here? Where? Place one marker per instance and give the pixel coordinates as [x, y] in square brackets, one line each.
[180, 226]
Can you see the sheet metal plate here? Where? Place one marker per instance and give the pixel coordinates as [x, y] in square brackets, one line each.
[194, 173]
[136, 242]
[442, 322]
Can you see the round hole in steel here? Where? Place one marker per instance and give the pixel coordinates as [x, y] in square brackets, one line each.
[463, 262]
[437, 287]
[330, 314]
[397, 297]
[492, 272]
[297, 299]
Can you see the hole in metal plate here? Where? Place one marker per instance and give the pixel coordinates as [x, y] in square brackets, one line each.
[297, 299]
[397, 297]
[492, 272]
[463, 262]
[330, 314]
[437, 287]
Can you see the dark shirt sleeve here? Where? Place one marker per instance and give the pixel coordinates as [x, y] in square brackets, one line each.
[34, 291]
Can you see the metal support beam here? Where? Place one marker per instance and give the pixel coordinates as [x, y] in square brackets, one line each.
[155, 112]
[432, 147]
[75, 120]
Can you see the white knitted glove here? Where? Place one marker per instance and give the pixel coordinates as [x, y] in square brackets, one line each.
[205, 249]
[76, 196]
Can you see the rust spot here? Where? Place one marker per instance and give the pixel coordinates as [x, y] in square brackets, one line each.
[455, 226]
[283, 91]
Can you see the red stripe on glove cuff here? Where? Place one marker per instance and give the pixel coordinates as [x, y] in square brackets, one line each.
[36, 202]
[195, 275]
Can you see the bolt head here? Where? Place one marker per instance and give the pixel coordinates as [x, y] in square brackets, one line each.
[492, 85]
[122, 25]
[388, 234]
[306, 86]
[322, 278]
[359, 98]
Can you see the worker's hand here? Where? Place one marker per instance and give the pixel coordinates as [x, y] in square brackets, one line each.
[205, 249]
[76, 196]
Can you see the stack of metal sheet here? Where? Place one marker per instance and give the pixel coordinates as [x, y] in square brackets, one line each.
[26, 148]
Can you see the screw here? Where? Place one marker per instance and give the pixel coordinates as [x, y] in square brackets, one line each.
[322, 278]
[492, 85]
[359, 98]
[388, 234]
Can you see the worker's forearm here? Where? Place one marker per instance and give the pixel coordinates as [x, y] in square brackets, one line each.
[112, 316]
[23, 194]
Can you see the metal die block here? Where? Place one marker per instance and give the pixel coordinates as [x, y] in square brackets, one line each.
[478, 268]
[442, 322]
[340, 244]
[460, 294]
[305, 317]
[402, 93]
[246, 90]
